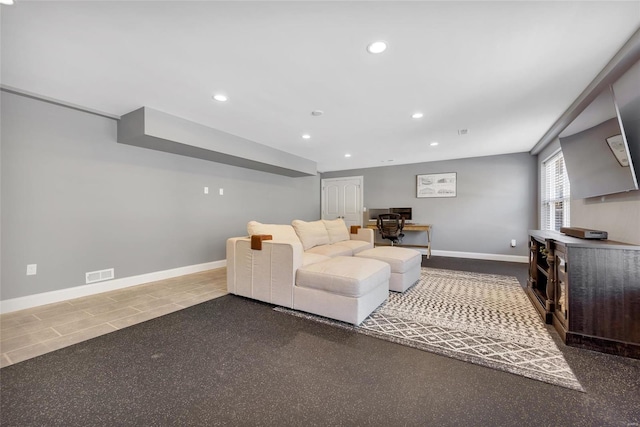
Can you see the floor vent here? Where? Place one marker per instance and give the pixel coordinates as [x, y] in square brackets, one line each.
[99, 276]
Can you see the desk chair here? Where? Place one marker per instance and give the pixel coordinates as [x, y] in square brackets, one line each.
[390, 226]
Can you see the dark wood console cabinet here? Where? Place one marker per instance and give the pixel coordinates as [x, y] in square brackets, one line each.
[588, 289]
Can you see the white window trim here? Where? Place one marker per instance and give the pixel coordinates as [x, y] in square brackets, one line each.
[548, 220]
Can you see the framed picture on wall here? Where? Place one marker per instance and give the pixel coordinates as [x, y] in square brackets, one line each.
[436, 185]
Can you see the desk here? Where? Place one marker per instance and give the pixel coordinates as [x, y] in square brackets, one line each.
[413, 227]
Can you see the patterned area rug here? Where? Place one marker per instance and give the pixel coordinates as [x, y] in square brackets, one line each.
[479, 318]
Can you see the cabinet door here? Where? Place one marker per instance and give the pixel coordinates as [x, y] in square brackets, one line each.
[562, 285]
[540, 283]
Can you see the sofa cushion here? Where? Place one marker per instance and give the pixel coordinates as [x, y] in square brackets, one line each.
[337, 230]
[405, 265]
[356, 246]
[311, 234]
[331, 250]
[280, 232]
[347, 276]
[311, 258]
[399, 259]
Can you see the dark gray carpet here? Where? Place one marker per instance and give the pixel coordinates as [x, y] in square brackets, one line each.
[517, 269]
[480, 318]
[234, 361]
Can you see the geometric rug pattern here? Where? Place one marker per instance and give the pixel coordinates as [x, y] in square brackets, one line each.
[478, 318]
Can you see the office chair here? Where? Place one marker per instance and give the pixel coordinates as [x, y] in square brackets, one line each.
[390, 226]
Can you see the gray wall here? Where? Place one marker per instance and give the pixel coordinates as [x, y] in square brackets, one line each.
[617, 214]
[74, 200]
[496, 201]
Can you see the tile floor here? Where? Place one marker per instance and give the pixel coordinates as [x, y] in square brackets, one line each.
[29, 333]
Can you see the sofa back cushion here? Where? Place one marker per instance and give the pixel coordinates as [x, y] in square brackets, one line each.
[337, 230]
[311, 234]
[280, 232]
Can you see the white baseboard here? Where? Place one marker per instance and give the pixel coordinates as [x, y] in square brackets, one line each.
[30, 301]
[477, 255]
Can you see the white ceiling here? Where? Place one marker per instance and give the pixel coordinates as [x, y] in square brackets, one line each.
[503, 70]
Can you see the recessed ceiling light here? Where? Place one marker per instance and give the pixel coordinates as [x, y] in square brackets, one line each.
[220, 97]
[377, 47]
[417, 115]
[434, 143]
[347, 155]
[8, 2]
[306, 136]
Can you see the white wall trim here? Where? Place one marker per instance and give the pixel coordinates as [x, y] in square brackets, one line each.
[477, 255]
[30, 301]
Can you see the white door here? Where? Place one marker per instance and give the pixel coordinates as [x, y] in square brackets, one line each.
[342, 198]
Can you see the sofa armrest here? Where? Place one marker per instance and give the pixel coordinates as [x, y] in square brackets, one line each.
[364, 234]
[266, 275]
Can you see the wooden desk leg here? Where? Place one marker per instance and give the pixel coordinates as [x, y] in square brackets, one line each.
[429, 243]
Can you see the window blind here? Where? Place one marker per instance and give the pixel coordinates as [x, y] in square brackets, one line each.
[555, 194]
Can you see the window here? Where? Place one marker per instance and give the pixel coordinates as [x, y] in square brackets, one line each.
[555, 194]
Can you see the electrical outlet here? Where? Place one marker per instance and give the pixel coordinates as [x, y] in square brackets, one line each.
[513, 243]
[206, 190]
[32, 269]
[222, 191]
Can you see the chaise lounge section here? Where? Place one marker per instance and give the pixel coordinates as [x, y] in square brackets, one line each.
[309, 266]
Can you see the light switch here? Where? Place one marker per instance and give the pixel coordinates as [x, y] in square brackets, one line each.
[222, 191]
[206, 190]
[32, 269]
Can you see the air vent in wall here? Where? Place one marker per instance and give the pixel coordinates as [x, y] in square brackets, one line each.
[98, 276]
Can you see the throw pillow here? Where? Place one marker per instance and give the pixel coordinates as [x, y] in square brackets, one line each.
[280, 232]
[311, 234]
[337, 230]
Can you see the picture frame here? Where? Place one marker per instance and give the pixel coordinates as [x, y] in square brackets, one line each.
[436, 185]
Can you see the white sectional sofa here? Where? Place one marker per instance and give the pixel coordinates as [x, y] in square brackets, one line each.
[308, 266]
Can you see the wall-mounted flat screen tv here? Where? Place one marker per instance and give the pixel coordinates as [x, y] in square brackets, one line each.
[601, 147]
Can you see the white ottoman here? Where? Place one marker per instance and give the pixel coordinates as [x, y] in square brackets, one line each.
[343, 288]
[405, 265]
